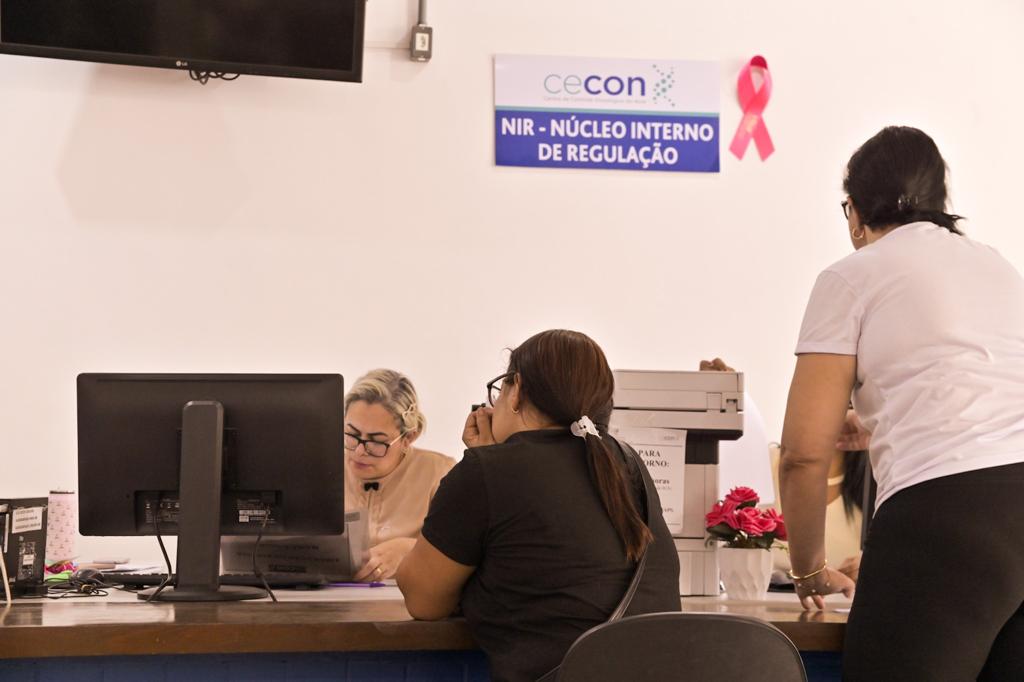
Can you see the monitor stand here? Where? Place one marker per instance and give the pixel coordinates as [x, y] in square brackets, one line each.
[198, 575]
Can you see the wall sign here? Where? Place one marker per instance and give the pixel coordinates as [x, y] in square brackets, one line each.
[664, 453]
[632, 114]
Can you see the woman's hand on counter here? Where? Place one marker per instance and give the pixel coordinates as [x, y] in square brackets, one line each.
[384, 559]
[812, 591]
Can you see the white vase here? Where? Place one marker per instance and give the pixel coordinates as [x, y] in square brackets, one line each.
[745, 572]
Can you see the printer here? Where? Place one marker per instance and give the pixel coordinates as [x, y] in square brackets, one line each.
[709, 407]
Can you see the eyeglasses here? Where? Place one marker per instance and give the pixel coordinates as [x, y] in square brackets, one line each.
[494, 387]
[846, 208]
[373, 448]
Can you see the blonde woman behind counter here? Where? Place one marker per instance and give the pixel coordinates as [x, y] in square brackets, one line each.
[385, 475]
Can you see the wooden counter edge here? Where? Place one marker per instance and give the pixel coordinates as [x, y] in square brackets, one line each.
[221, 638]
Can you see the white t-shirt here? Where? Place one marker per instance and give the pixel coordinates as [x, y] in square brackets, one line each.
[936, 321]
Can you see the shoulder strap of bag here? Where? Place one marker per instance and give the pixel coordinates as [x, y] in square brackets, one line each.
[627, 451]
[620, 610]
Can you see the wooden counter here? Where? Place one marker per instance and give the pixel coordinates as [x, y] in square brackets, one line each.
[338, 619]
[809, 630]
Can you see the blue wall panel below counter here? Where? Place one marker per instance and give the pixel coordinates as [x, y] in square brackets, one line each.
[438, 666]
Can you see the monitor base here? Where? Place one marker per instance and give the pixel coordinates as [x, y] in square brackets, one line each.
[224, 593]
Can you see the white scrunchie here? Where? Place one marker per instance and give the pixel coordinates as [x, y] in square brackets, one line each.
[584, 427]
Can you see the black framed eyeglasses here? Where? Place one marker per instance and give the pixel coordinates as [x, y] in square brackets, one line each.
[373, 448]
[846, 208]
[494, 387]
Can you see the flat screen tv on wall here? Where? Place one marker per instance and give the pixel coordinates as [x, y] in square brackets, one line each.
[320, 39]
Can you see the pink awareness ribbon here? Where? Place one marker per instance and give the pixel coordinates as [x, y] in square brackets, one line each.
[753, 101]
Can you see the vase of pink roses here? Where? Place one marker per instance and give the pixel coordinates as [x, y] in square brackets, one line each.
[748, 533]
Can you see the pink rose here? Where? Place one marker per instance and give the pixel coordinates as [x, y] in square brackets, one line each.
[721, 512]
[750, 521]
[743, 495]
[766, 523]
[780, 524]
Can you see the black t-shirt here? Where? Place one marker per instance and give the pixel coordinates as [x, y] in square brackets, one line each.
[549, 564]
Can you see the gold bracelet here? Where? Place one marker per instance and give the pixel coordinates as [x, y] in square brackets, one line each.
[809, 575]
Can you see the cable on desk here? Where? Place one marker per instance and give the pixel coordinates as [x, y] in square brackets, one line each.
[256, 550]
[167, 560]
[7, 586]
[69, 589]
[203, 77]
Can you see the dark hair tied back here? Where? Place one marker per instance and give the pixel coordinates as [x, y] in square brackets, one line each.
[906, 203]
[899, 177]
[564, 374]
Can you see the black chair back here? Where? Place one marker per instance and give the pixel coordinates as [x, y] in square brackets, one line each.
[659, 647]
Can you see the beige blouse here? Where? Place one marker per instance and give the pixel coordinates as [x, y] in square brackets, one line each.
[396, 504]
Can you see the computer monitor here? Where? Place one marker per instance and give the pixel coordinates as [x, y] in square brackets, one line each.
[201, 455]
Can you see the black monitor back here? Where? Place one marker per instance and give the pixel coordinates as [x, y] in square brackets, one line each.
[282, 454]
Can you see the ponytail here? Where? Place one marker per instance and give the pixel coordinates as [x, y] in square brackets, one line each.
[912, 214]
[940, 218]
[610, 478]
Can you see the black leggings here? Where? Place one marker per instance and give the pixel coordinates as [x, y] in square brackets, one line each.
[941, 589]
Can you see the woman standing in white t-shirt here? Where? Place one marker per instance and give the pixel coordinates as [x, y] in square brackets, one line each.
[926, 328]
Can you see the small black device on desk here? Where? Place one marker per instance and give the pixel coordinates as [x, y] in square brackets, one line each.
[83, 582]
[87, 576]
[23, 544]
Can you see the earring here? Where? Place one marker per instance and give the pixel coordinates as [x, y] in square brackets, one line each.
[853, 233]
[515, 411]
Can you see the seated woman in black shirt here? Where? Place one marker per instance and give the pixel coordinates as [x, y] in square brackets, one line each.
[537, 531]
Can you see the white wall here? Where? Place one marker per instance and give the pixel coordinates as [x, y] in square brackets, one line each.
[274, 225]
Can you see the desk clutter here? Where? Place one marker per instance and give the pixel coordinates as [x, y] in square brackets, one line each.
[314, 562]
[77, 581]
[37, 541]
